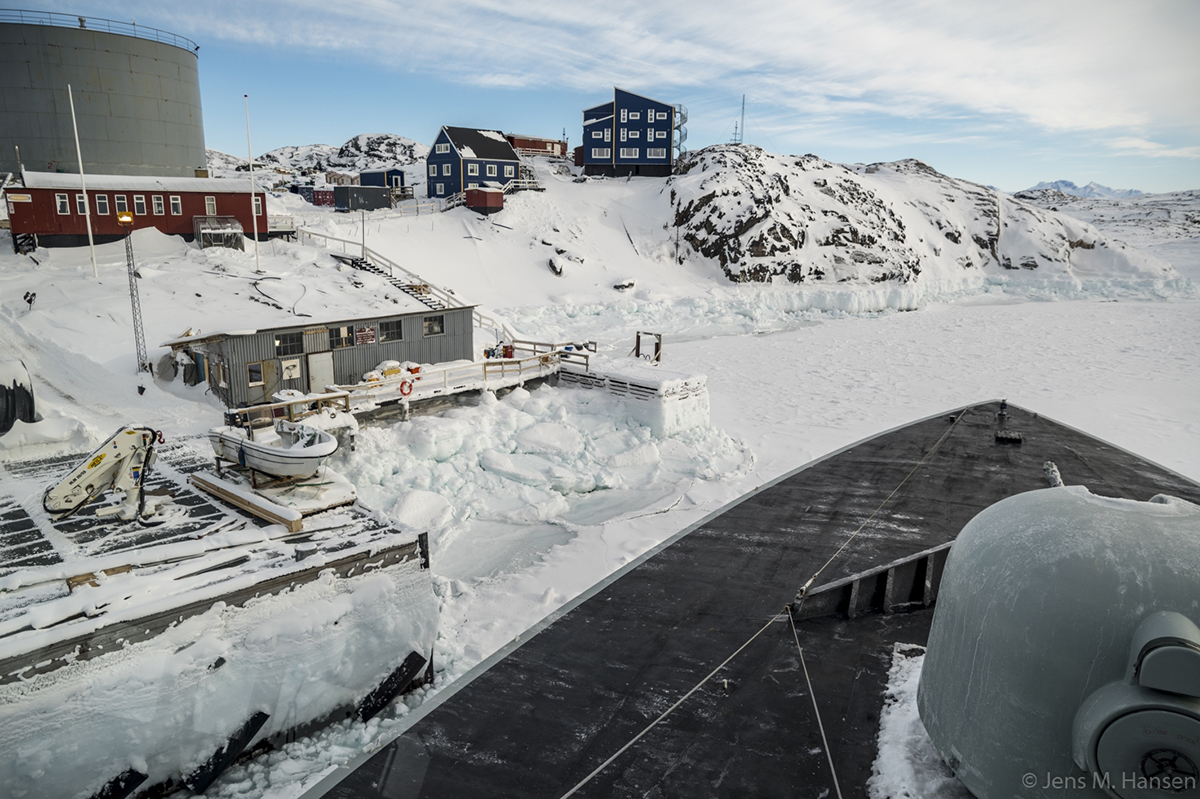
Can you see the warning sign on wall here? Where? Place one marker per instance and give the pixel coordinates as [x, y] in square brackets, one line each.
[364, 335]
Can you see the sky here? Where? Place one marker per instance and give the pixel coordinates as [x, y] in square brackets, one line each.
[1002, 94]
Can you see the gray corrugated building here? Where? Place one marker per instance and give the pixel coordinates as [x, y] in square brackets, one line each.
[248, 367]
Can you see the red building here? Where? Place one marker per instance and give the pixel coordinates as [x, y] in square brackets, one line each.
[51, 205]
[533, 145]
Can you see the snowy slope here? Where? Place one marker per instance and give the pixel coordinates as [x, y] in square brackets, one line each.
[1092, 189]
[365, 151]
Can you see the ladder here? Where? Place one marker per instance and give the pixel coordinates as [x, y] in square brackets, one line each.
[421, 292]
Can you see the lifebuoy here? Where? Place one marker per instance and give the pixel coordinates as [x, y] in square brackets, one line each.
[405, 388]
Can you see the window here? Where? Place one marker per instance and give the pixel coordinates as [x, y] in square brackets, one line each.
[257, 206]
[662, 134]
[629, 152]
[635, 114]
[445, 169]
[608, 134]
[64, 207]
[509, 171]
[656, 152]
[210, 206]
[601, 152]
[158, 205]
[81, 204]
[441, 189]
[662, 115]
[177, 206]
[254, 374]
[472, 185]
[491, 170]
[434, 325]
[624, 115]
[623, 134]
[289, 344]
[633, 134]
[442, 148]
[472, 169]
[433, 170]
[102, 204]
[391, 330]
[340, 337]
[121, 205]
[139, 205]
[649, 134]
[597, 134]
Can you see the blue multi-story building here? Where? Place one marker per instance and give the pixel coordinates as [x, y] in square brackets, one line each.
[467, 158]
[632, 135]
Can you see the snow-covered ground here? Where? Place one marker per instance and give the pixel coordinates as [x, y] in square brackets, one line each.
[533, 498]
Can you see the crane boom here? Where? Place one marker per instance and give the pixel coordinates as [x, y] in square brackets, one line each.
[119, 464]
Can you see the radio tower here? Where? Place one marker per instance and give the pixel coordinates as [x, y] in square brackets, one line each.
[740, 132]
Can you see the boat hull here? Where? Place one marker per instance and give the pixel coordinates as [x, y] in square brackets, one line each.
[232, 444]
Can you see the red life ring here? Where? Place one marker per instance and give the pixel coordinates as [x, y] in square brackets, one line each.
[405, 388]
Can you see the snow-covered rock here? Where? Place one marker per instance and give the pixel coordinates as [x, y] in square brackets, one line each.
[1092, 189]
[770, 218]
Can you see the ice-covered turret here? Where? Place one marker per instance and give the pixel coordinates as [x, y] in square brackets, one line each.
[1064, 657]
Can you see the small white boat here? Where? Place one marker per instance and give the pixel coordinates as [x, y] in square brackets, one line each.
[289, 449]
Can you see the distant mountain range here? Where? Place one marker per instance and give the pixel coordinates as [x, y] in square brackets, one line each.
[1092, 189]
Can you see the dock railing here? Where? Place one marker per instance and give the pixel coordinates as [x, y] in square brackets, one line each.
[349, 247]
[569, 352]
[452, 379]
[292, 410]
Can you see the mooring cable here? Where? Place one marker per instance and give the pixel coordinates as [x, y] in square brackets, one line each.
[803, 593]
[816, 712]
[669, 710]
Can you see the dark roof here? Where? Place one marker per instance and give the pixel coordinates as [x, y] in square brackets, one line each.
[481, 143]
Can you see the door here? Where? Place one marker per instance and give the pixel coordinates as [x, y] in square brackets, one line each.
[320, 371]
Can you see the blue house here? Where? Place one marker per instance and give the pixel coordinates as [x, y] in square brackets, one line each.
[632, 135]
[392, 178]
[467, 158]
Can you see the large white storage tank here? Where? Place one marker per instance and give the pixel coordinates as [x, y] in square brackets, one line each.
[136, 90]
[1064, 656]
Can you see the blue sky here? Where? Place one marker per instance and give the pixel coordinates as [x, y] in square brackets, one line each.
[1006, 94]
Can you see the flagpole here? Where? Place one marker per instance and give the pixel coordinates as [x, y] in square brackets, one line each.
[250, 155]
[87, 206]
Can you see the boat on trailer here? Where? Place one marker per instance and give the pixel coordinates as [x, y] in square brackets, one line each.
[285, 449]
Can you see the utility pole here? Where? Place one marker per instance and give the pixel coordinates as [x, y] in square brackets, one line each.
[139, 335]
[253, 214]
[87, 213]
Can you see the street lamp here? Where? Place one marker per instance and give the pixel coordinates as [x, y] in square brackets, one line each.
[125, 219]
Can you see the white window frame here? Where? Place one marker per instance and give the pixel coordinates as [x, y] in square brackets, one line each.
[635, 134]
[601, 152]
[425, 320]
[656, 152]
[445, 170]
[81, 205]
[624, 115]
[662, 115]
[159, 208]
[472, 185]
[442, 147]
[597, 134]
[102, 205]
[120, 204]
[433, 170]
[63, 202]
[210, 206]
[662, 134]
[473, 169]
[439, 189]
[624, 134]
[395, 330]
[491, 170]
[252, 383]
[607, 135]
[629, 152]
[509, 171]
[649, 134]
[176, 205]
[258, 210]
[139, 204]
[635, 114]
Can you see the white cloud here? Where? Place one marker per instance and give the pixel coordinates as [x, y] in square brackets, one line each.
[1056, 65]
[1134, 146]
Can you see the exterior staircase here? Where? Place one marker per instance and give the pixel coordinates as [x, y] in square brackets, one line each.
[421, 292]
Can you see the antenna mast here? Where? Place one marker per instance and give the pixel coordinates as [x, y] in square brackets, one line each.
[739, 132]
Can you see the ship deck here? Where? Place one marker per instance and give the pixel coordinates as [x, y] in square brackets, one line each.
[541, 715]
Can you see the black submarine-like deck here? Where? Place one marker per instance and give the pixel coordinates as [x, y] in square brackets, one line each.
[542, 718]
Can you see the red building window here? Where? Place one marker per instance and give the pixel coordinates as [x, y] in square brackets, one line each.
[176, 206]
[139, 205]
[64, 206]
[158, 205]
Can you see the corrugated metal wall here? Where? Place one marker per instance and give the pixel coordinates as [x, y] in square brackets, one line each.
[349, 363]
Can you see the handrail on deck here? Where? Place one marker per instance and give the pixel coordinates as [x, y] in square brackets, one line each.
[57, 20]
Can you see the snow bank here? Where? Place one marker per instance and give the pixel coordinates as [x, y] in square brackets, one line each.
[165, 705]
